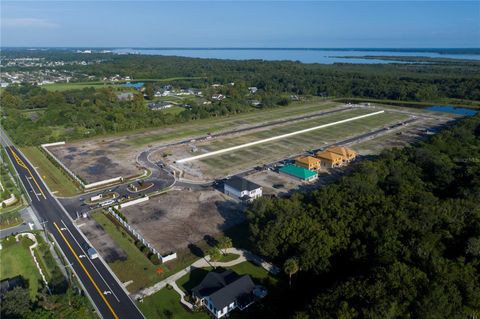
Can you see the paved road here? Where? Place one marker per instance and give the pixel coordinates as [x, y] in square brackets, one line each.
[160, 177]
[105, 291]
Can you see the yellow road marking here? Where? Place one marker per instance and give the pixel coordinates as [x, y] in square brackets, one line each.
[88, 274]
[22, 164]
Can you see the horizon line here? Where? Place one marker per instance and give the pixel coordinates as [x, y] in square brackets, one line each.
[237, 48]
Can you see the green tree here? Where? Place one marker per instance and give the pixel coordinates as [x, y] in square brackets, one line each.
[224, 243]
[214, 253]
[290, 267]
[16, 303]
[149, 91]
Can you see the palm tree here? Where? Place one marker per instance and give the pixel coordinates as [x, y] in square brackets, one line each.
[224, 243]
[214, 253]
[290, 267]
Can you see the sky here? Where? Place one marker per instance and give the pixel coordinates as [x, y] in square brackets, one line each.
[313, 24]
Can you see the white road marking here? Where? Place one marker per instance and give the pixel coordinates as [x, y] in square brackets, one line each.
[31, 186]
[233, 148]
[71, 235]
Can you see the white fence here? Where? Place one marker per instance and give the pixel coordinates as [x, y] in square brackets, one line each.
[100, 183]
[66, 169]
[141, 239]
[133, 202]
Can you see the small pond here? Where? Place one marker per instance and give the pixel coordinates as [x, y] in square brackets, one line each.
[452, 110]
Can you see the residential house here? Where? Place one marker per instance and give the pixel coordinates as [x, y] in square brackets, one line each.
[155, 106]
[126, 96]
[252, 89]
[242, 188]
[347, 153]
[218, 97]
[224, 292]
[308, 162]
[329, 159]
[301, 173]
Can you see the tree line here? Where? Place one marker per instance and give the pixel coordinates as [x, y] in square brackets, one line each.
[33, 115]
[397, 238]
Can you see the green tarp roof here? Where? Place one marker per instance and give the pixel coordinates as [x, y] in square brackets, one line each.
[298, 171]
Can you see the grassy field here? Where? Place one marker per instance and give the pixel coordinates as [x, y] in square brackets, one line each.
[229, 163]
[136, 267]
[174, 110]
[55, 179]
[16, 260]
[166, 304]
[222, 143]
[74, 86]
[440, 101]
[202, 127]
[99, 84]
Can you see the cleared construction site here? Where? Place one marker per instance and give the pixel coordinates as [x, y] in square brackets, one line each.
[214, 158]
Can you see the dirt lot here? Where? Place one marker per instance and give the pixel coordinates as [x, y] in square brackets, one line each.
[268, 179]
[233, 162]
[174, 220]
[101, 241]
[399, 138]
[108, 157]
[98, 161]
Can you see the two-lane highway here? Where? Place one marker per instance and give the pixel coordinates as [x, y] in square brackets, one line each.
[105, 291]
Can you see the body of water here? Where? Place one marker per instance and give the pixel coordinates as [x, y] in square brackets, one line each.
[303, 55]
[135, 85]
[452, 110]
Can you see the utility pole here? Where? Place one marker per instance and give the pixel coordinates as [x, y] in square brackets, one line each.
[44, 228]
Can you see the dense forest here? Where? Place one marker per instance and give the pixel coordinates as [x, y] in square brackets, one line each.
[397, 238]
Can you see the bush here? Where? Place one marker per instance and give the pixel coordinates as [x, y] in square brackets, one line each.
[154, 259]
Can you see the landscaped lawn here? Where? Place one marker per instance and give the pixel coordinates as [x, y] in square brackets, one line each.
[166, 304]
[258, 274]
[228, 257]
[16, 260]
[55, 179]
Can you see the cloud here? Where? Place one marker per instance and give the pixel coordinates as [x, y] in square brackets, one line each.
[27, 23]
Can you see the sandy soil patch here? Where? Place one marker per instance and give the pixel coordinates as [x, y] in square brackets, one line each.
[274, 183]
[98, 160]
[174, 220]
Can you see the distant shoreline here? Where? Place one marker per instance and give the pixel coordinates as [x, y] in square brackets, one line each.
[426, 50]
